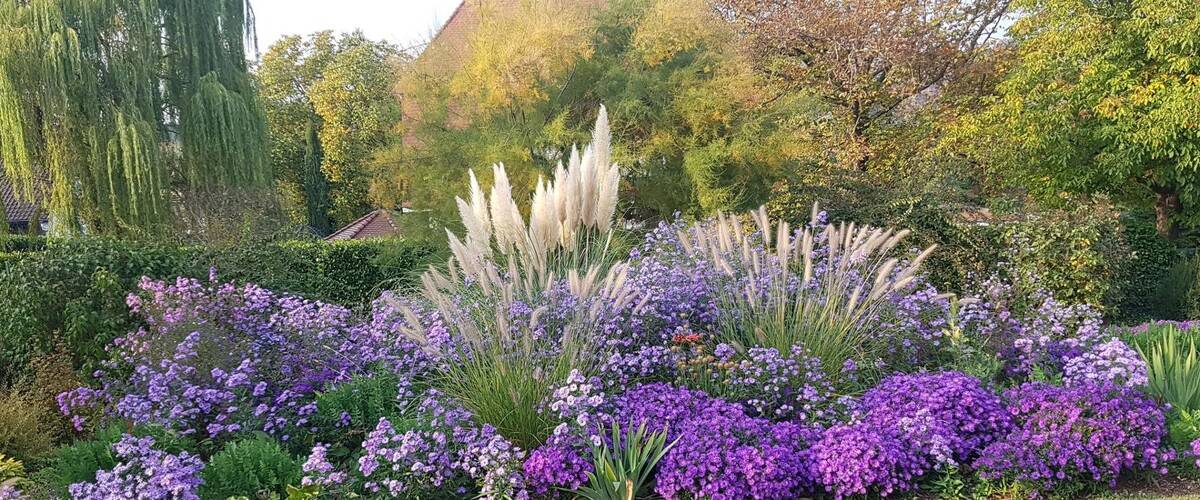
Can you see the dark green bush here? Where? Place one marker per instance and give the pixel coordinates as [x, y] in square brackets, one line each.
[251, 468]
[963, 251]
[76, 288]
[1146, 274]
[348, 412]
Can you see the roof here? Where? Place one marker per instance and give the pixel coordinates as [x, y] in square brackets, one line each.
[16, 209]
[377, 224]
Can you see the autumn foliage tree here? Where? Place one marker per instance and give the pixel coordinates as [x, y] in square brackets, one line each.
[329, 106]
[1103, 98]
[698, 129]
[866, 58]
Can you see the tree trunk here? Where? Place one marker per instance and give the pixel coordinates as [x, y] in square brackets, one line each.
[1166, 206]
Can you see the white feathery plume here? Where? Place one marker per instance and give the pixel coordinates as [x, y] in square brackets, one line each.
[507, 222]
[587, 188]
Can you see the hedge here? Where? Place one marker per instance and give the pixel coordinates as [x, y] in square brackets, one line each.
[72, 291]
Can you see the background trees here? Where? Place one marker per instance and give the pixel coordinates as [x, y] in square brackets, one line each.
[329, 106]
[1102, 98]
[112, 112]
[865, 58]
[697, 128]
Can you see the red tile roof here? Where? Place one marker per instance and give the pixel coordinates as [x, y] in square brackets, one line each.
[377, 224]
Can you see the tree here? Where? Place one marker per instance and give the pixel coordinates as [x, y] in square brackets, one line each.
[867, 58]
[697, 128]
[1103, 98]
[110, 111]
[329, 107]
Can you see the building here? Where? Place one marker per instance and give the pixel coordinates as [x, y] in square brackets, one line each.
[380, 223]
[21, 214]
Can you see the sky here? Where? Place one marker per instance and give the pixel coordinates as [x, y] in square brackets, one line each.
[402, 22]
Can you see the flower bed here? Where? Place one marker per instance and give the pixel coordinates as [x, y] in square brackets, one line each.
[724, 359]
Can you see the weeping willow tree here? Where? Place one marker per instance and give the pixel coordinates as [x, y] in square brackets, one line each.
[111, 110]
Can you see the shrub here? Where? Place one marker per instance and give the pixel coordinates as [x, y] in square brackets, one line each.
[26, 428]
[1172, 297]
[1069, 436]
[1143, 282]
[77, 287]
[217, 359]
[251, 468]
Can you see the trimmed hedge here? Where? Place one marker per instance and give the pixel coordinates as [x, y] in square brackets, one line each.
[74, 290]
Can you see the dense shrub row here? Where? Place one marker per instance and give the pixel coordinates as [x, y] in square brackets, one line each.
[73, 291]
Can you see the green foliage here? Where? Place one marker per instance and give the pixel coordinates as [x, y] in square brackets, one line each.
[23, 432]
[1147, 284]
[1172, 298]
[12, 472]
[79, 461]
[1100, 99]
[363, 400]
[622, 470]
[30, 421]
[76, 288]
[1078, 256]
[95, 149]
[698, 129]
[329, 106]
[252, 468]
[1173, 365]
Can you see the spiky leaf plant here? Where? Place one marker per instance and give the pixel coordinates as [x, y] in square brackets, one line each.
[521, 302]
[816, 285]
[1172, 366]
[622, 470]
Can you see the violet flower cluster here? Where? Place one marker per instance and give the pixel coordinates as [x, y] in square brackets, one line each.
[1111, 361]
[444, 447]
[908, 426]
[216, 359]
[1081, 433]
[720, 452]
[1030, 330]
[775, 386]
[144, 472]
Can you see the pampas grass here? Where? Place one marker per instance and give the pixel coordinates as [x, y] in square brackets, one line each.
[560, 262]
[815, 286]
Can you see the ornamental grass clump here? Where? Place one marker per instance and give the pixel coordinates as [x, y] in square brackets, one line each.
[522, 303]
[814, 286]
